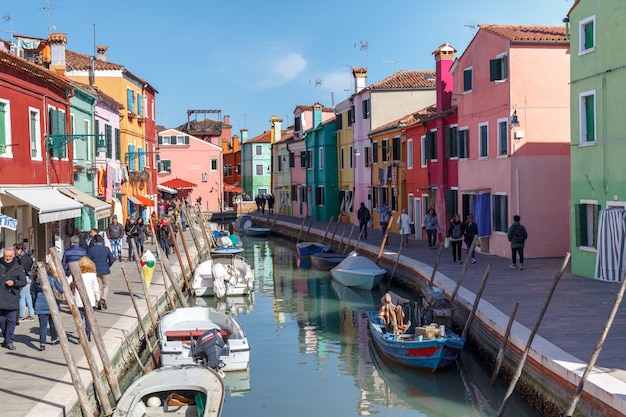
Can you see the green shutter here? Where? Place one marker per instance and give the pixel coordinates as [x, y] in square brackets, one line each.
[160, 140]
[596, 217]
[580, 226]
[451, 203]
[186, 140]
[590, 119]
[108, 140]
[467, 80]
[3, 132]
[589, 35]
[494, 70]
[448, 142]
[118, 145]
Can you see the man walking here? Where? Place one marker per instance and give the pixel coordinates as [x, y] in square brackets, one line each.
[12, 279]
[364, 217]
[103, 258]
[73, 253]
[115, 233]
[517, 236]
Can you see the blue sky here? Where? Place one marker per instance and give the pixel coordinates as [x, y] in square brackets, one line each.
[253, 59]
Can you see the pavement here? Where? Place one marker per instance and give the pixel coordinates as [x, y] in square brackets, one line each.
[38, 383]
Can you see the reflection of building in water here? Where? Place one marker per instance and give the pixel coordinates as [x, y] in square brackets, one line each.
[262, 263]
[233, 305]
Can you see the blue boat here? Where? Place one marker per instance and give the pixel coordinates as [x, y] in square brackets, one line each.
[309, 248]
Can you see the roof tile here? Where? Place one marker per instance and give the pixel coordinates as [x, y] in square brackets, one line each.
[406, 79]
[527, 33]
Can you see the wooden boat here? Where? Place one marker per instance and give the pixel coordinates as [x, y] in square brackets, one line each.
[227, 250]
[192, 335]
[327, 260]
[221, 276]
[309, 248]
[430, 347]
[175, 391]
[258, 231]
[358, 271]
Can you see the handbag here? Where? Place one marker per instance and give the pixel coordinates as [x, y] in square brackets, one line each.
[446, 243]
[412, 228]
[478, 243]
[58, 296]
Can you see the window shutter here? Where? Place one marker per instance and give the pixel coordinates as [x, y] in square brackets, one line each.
[449, 140]
[131, 157]
[3, 138]
[142, 156]
[504, 67]
[118, 145]
[186, 140]
[108, 140]
[139, 105]
[160, 140]
[494, 69]
[130, 101]
[467, 80]
[590, 118]
[292, 160]
[580, 226]
[589, 35]
[451, 203]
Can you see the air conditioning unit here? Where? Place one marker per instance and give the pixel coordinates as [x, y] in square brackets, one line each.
[17, 51]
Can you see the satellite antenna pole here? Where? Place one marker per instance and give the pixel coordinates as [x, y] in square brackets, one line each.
[48, 8]
[391, 62]
[9, 19]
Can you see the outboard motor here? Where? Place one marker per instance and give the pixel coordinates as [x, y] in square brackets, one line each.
[209, 347]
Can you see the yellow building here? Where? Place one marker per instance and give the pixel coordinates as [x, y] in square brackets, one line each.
[345, 156]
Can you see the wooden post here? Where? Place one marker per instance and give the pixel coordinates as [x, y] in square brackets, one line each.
[180, 260]
[169, 274]
[101, 392]
[349, 238]
[195, 240]
[182, 238]
[395, 265]
[301, 229]
[306, 236]
[343, 232]
[81, 391]
[479, 294]
[500, 356]
[462, 274]
[208, 238]
[132, 348]
[522, 361]
[274, 223]
[437, 259]
[332, 238]
[166, 286]
[327, 227]
[146, 292]
[384, 242]
[597, 350]
[139, 318]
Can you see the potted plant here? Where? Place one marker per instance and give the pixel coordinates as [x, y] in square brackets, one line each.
[345, 218]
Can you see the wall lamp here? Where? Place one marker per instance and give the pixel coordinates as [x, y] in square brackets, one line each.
[514, 120]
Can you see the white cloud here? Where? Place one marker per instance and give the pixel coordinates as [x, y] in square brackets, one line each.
[280, 70]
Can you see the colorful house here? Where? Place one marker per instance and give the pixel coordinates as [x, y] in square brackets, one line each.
[184, 159]
[597, 125]
[256, 161]
[512, 136]
[284, 162]
[231, 153]
[345, 157]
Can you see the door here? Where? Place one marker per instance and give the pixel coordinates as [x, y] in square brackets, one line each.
[417, 216]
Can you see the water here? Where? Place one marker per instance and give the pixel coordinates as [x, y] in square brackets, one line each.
[311, 353]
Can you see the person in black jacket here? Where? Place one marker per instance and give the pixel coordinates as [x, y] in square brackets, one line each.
[25, 259]
[12, 280]
[470, 229]
[364, 217]
[103, 258]
[131, 234]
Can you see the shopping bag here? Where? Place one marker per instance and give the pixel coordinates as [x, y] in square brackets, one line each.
[446, 244]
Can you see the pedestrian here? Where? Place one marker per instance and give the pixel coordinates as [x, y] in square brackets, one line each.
[455, 234]
[364, 217]
[183, 216]
[517, 236]
[115, 233]
[173, 234]
[154, 220]
[263, 203]
[270, 203]
[384, 216]
[142, 231]
[12, 280]
[163, 232]
[470, 229]
[432, 227]
[130, 228]
[72, 254]
[25, 259]
[92, 236]
[90, 280]
[404, 227]
[43, 309]
[103, 259]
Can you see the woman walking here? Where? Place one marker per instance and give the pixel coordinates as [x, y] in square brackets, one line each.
[470, 229]
[142, 232]
[431, 225]
[42, 309]
[88, 272]
[404, 227]
[455, 234]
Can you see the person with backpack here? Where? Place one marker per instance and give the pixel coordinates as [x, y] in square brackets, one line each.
[25, 259]
[517, 236]
[455, 234]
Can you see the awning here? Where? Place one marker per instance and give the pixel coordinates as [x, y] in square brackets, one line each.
[232, 189]
[167, 189]
[178, 184]
[8, 222]
[140, 200]
[101, 208]
[49, 203]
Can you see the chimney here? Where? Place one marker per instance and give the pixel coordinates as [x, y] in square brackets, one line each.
[235, 142]
[275, 133]
[444, 57]
[226, 119]
[57, 52]
[101, 53]
[360, 78]
[317, 115]
[244, 135]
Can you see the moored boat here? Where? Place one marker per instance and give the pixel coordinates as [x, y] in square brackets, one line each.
[327, 260]
[223, 275]
[258, 231]
[358, 271]
[189, 390]
[203, 335]
[309, 248]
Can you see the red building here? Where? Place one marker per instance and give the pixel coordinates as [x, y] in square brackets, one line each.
[231, 152]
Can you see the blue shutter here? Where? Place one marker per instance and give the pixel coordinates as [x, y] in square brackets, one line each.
[142, 158]
[131, 157]
[130, 101]
[139, 105]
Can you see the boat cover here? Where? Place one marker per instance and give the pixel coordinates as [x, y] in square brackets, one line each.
[357, 263]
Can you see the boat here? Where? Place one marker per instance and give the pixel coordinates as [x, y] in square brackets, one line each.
[203, 335]
[223, 275]
[356, 298]
[358, 271]
[189, 390]
[258, 231]
[226, 250]
[242, 224]
[326, 260]
[309, 248]
[424, 346]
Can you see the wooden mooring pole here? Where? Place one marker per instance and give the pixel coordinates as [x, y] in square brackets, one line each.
[479, 295]
[500, 357]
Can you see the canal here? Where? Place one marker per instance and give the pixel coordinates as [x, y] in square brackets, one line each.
[311, 353]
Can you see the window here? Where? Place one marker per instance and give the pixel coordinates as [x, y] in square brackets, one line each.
[423, 151]
[452, 203]
[366, 108]
[57, 127]
[292, 160]
[118, 145]
[503, 137]
[297, 124]
[351, 116]
[139, 105]
[483, 140]
[464, 143]
[205, 177]
[587, 103]
[164, 140]
[181, 140]
[108, 140]
[467, 79]
[130, 100]
[259, 169]
[385, 145]
[238, 168]
[409, 154]
[431, 145]
[339, 122]
[351, 157]
[368, 156]
[309, 159]
[303, 159]
[395, 150]
[498, 68]
[341, 155]
[321, 158]
[258, 150]
[587, 35]
[375, 152]
[35, 134]
[279, 163]
[319, 195]
[213, 164]
[500, 213]
[586, 223]
[294, 193]
[452, 145]
[165, 166]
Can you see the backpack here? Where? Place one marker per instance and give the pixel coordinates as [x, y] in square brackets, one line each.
[518, 235]
[33, 270]
[456, 231]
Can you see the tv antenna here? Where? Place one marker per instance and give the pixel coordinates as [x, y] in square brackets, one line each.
[48, 8]
[318, 82]
[364, 46]
[9, 19]
[389, 61]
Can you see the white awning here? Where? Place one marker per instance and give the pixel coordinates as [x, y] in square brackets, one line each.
[167, 189]
[49, 203]
[101, 208]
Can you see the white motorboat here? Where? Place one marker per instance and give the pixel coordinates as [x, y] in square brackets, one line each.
[358, 271]
[203, 335]
[223, 275]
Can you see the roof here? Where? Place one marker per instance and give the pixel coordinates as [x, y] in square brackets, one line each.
[34, 70]
[407, 120]
[205, 127]
[518, 33]
[265, 137]
[304, 108]
[406, 79]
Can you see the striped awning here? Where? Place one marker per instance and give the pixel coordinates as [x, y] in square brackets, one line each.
[8, 222]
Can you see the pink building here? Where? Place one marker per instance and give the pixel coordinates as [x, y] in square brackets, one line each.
[193, 160]
[511, 89]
